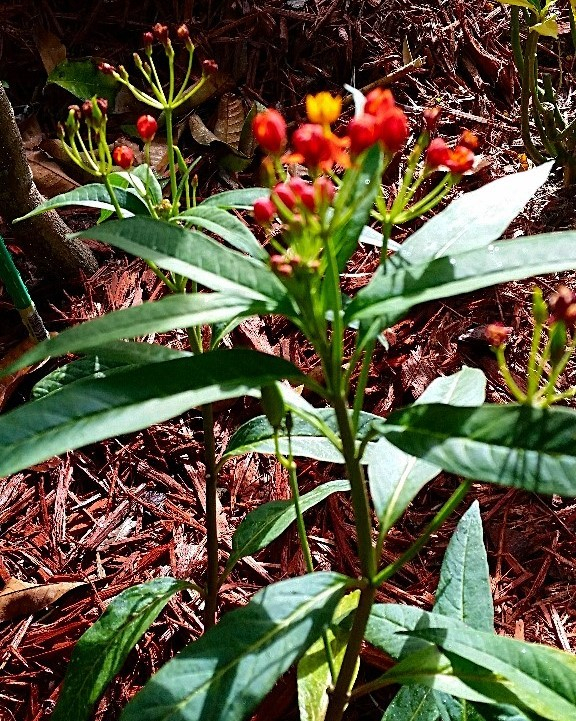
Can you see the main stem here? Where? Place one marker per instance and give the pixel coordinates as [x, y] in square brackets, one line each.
[211, 600]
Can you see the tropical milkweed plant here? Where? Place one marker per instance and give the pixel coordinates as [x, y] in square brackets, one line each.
[449, 662]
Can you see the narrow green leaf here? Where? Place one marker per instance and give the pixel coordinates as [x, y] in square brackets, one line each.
[83, 79]
[257, 436]
[192, 255]
[519, 446]
[91, 410]
[464, 586]
[101, 651]
[396, 477]
[503, 713]
[242, 199]
[547, 28]
[452, 709]
[173, 311]
[110, 358]
[227, 226]
[475, 219]
[229, 670]
[314, 677]
[392, 292]
[542, 677]
[93, 195]
[353, 204]
[266, 522]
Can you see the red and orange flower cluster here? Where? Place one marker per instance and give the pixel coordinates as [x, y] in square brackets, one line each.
[296, 196]
[440, 156]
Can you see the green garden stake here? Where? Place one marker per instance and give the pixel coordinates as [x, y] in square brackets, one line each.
[17, 291]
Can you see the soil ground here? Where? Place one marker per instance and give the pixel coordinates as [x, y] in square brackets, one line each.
[131, 508]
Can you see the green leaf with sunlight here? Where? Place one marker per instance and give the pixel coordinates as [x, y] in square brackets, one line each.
[173, 311]
[394, 291]
[396, 477]
[241, 199]
[93, 409]
[519, 446]
[93, 195]
[266, 522]
[230, 228]
[353, 204]
[102, 649]
[192, 255]
[226, 673]
[307, 440]
[314, 675]
[475, 219]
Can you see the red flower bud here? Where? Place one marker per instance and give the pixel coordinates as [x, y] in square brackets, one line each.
[102, 104]
[379, 101]
[183, 33]
[123, 156]
[269, 128]
[264, 211]
[469, 140]
[106, 68]
[362, 132]
[147, 40]
[311, 143]
[146, 126]
[431, 116]
[497, 334]
[325, 190]
[86, 109]
[304, 192]
[438, 153]
[209, 67]
[393, 129]
[76, 110]
[285, 194]
[562, 306]
[160, 32]
[460, 160]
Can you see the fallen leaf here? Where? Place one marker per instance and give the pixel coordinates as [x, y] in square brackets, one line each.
[230, 120]
[49, 177]
[52, 50]
[19, 598]
[8, 384]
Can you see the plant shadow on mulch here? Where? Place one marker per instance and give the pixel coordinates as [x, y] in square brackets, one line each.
[131, 508]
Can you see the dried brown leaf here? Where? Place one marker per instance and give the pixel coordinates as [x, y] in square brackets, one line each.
[230, 120]
[49, 177]
[52, 50]
[19, 598]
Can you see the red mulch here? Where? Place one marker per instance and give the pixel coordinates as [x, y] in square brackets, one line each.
[131, 508]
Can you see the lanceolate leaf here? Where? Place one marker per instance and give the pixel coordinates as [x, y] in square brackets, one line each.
[93, 195]
[257, 436]
[396, 477]
[229, 670]
[392, 292]
[412, 703]
[192, 255]
[110, 358]
[464, 587]
[242, 199]
[102, 649]
[353, 205]
[174, 311]
[227, 226]
[268, 521]
[93, 409]
[474, 219]
[520, 446]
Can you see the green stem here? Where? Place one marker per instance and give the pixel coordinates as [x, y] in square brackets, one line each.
[529, 60]
[211, 599]
[341, 694]
[515, 36]
[431, 528]
[362, 383]
[113, 198]
[171, 159]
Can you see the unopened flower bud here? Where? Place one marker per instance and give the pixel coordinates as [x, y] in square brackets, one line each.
[431, 116]
[379, 101]
[123, 156]
[147, 41]
[264, 211]
[102, 105]
[497, 334]
[285, 194]
[160, 33]
[460, 160]
[325, 190]
[106, 68]
[393, 129]
[438, 153]
[183, 33]
[304, 192]
[562, 306]
[269, 129]
[362, 133]
[146, 126]
[469, 140]
[312, 144]
[209, 67]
